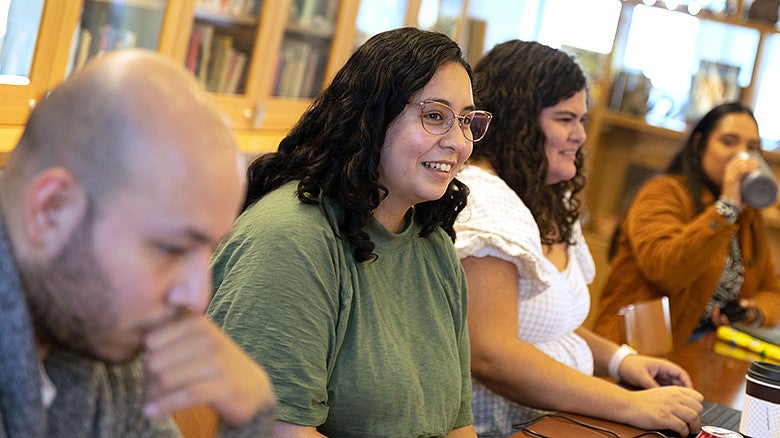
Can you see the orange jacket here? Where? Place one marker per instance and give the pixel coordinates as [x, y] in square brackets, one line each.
[665, 248]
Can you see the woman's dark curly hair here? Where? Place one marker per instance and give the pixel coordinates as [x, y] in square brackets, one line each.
[334, 149]
[515, 81]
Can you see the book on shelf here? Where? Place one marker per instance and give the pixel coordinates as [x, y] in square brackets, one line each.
[300, 69]
[238, 8]
[219, 66]
[193, 50]
[235, 71]
[105, 38]
[82, 54]
[294, 56]
[320, 14]
[220, 53]
[314, 68]
[115, 39]
[199, 51]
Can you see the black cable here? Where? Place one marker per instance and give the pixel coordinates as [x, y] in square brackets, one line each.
[524, 426]
[529, 432]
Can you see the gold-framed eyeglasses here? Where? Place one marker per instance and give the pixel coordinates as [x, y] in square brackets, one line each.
[437, 118]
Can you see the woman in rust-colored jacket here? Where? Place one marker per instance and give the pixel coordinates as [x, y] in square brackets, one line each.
[703, 251]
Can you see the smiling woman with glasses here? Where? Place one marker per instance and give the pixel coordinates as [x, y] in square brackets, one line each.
[341, 276]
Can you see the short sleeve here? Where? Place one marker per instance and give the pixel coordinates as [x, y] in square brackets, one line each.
[496, 223]
[276, 292]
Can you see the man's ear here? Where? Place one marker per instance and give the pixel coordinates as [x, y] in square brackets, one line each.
[55, 206]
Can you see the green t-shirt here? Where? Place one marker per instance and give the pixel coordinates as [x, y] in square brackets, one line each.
[357, 349]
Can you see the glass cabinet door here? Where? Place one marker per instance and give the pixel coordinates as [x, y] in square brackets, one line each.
[107, 25]
[301, 43]
[305, 49]
[221, 42]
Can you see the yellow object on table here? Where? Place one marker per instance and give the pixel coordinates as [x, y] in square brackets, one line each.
[744, 340]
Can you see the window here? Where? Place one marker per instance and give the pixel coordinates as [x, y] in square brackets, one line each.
[672, 58]
[588, 25]
[19, 21]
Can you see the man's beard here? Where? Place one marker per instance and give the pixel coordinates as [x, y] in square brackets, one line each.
[69, 296]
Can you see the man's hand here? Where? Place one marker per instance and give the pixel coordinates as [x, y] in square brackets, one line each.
[190, 361]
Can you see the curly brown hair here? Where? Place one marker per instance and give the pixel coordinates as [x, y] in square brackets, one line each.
[334, 149]
[515, 81]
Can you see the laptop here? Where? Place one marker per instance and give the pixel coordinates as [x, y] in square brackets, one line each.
[720, 416]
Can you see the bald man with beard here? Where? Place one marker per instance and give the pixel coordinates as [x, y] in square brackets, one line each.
[124, 181]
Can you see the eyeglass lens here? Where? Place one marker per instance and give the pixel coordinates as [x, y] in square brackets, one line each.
[438, 118]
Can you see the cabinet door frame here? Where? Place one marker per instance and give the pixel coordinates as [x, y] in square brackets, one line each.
[50, 57]
[280, 113]
[59, 21]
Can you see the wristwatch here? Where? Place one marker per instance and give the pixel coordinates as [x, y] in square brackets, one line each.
[726, 208]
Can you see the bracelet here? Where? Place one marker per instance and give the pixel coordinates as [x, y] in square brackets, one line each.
[617, 359]
[727, 209]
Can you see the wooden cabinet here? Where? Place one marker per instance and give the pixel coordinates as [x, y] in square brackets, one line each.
[627, 146]
[287, 51]
[65, 34]
[264, 60]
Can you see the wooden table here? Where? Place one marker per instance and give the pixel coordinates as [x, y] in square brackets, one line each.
[717, 370]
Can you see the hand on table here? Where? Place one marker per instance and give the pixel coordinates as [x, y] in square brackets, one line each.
[667, 407]
[668, 400]
[650, 372]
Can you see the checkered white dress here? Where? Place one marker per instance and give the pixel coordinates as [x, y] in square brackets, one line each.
[551, 304]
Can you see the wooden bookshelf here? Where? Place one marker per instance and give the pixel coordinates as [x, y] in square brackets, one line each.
[617, 141]
[255, 41]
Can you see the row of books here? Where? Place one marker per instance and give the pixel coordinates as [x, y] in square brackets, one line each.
[301, 69]
[108, 38]
[314, 13]
[236, 8]
[215, 61]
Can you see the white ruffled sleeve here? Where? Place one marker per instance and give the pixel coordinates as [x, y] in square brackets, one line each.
[496, 223]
